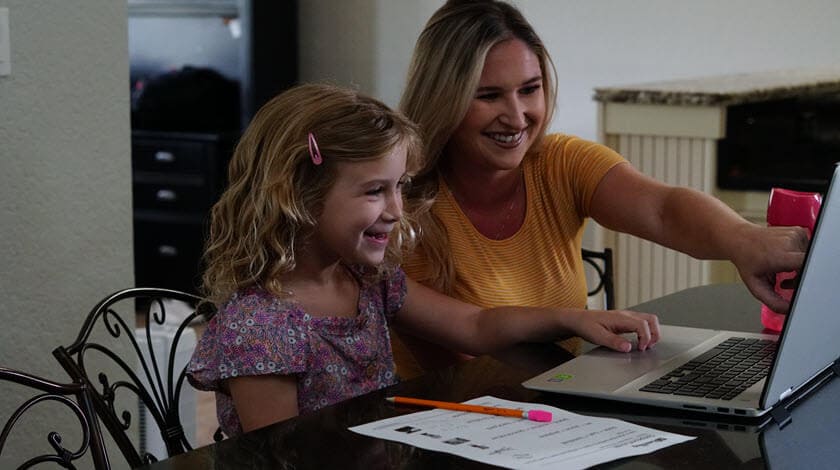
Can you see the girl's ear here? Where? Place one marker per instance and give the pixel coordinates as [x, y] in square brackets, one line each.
[305, 232]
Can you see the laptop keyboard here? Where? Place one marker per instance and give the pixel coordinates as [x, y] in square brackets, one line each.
[722, 372]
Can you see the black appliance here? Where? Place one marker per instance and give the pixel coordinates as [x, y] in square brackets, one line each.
[791, 143]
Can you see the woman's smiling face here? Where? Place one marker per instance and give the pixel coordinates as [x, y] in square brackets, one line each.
[506, 113]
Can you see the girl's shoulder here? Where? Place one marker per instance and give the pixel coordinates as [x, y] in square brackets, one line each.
[259, 306]
[254, 333]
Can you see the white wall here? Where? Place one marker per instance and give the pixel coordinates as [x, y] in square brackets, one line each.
[593, 42]
[65, 183]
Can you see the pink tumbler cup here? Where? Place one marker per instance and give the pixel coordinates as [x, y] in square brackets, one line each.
[788, 208]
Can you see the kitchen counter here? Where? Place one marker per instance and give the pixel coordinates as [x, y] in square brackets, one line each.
[727, 90]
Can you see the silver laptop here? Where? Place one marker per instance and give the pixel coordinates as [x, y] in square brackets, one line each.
[706, 370]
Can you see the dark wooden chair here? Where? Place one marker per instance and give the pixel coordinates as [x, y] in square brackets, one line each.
[135, 320]
[601, 262]
[76, 397]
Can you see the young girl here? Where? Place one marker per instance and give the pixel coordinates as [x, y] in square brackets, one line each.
[302, 260]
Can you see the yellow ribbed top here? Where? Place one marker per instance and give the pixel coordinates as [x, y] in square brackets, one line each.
[540, 265]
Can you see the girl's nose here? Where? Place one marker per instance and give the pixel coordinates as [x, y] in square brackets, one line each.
[393, 209]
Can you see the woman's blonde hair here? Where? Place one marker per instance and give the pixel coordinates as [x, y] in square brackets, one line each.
[276, 191]
[442, 80]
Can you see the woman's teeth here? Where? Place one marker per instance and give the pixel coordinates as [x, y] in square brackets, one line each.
[506, 138]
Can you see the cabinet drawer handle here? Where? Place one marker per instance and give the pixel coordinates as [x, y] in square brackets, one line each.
[167, 250]
[166, 195]
[164, 156]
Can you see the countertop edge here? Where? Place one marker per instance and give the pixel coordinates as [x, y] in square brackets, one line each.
[701, 91]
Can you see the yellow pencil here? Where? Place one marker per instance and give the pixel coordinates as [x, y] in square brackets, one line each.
[533, 415]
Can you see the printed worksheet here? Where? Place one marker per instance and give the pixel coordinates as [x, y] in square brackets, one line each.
[569, 441]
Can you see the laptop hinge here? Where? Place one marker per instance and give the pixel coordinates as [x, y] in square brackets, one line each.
[835, 367]
[781, 412]
[780, 415]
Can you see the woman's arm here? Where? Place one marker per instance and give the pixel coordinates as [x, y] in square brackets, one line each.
[261, 400]
[699, 225]
[471, 329]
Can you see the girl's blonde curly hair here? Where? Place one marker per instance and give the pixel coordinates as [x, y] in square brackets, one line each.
[276, 191]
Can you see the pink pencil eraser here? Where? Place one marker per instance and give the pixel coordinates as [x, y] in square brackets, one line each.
[539, 415]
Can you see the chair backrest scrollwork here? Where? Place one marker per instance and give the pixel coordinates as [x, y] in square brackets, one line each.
[157, 384]
[74, 396]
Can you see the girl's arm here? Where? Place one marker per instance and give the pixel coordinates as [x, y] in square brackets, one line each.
[699, 225]
[467, 328]
[261, 400]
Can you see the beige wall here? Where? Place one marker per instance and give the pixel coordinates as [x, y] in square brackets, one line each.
[366, 44]
[65, 184]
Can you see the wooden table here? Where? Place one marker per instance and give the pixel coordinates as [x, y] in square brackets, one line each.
[322, 440]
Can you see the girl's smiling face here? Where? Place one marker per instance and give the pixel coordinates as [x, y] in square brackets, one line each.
[506, 113]
[361, 209]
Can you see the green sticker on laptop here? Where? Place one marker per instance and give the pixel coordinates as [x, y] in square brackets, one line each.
[560, 378]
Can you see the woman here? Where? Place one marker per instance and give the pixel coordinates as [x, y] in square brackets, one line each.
[511, 201]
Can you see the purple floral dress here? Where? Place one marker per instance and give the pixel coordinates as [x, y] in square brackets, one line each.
[333, 358]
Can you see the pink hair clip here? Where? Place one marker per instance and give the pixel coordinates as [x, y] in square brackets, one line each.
[314, 152]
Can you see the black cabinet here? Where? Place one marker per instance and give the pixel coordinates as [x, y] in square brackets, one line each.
[184, 56]
[177, 177]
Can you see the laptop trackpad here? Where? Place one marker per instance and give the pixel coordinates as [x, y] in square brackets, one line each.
[616, 369]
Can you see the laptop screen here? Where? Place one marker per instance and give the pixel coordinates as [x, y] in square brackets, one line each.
[810, 340]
